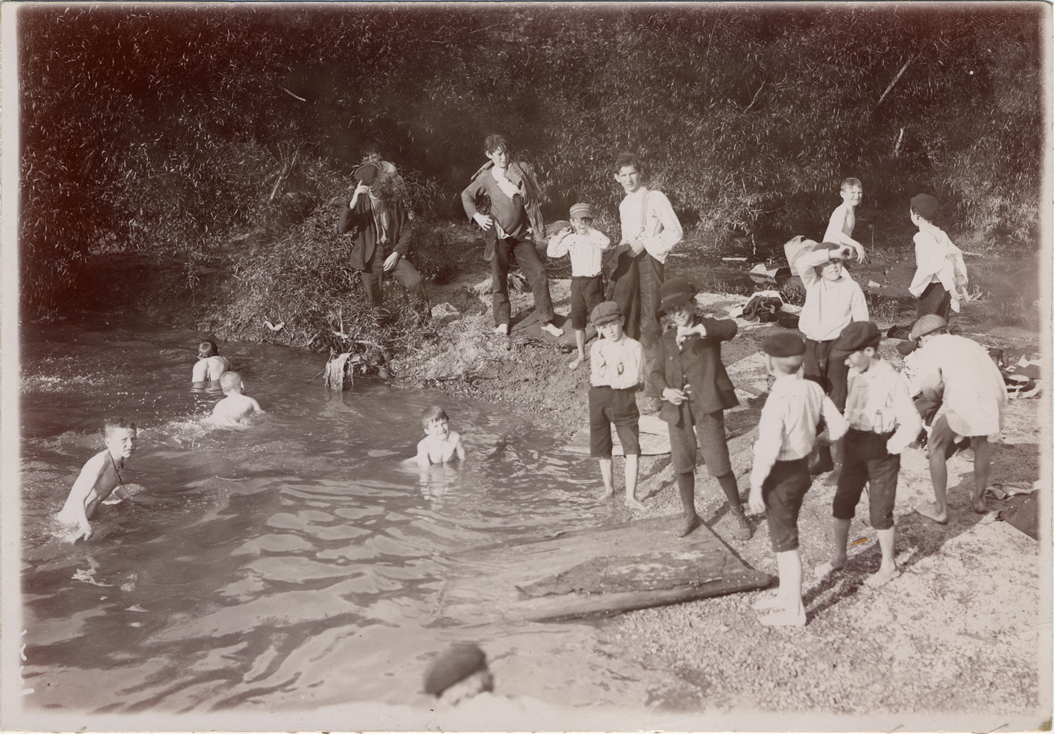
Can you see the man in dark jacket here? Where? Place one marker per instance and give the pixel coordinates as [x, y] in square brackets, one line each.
[696, 391]
[381, 228]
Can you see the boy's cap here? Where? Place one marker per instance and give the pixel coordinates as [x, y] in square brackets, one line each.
[582, 211]
[675, 292]
[783, 345]
[857, 335]
[927, 324]
[925, 206]
[604, 313]
[365, 173]
[453, 665]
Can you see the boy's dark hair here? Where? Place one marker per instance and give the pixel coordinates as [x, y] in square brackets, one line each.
[433, 413]
[628, 159]
[207, 349]
[926, 207]
[112, 424]
[851, 182]
[495, 142]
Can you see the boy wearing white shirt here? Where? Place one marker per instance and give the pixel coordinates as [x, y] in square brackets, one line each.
[940, 275]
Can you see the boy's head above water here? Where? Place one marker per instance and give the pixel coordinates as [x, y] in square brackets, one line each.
[207, 349]
[231, 382]
[120, 435]
[435, 421]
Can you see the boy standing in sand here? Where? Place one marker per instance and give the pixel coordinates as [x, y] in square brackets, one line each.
[585, 246]
[843, 218]
[780, 477]
[100, 477]
[210, 365]
[696, 391]
[230, 411]
[882, 422]
[440, 445]
[940, 274]
[616, 369]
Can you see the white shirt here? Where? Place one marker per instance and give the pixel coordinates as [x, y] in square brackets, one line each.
[878, 401]
[658, 227]
[974, 399]
[616, 364]
[829, 304]
[586, 251]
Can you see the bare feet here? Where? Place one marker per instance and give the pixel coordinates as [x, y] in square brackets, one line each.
[575, 362]
[785, 617]
[929, 511]
[740, 527]
[883, 577]
[502, 329]
[769, 602]
[608, 492]
[825, 569]
[635, 503]
[689, 525]
[553, 329]
[977, 500]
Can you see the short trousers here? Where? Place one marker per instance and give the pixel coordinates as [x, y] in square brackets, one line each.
[586, 293]
[606, 406]
[783, 491]
[830, 374]
[936, 300]
[709, 436]
[942, 438]
[866, 461]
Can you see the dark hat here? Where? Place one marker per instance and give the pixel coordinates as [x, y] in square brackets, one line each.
[365, 173]
[927, 324]
[604, 313]
[674, 293]
[925, 206]
[856, 336]
[783, 345]
[453, 665]
[582, 211]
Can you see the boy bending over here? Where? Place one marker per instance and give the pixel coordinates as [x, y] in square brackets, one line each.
[440, 444]
[230, 411]
[99, 478]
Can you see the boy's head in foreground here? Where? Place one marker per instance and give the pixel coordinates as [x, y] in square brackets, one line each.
[607, 319]
[459, 673]
[435, 421]
[928, 327]
[831, 270]
[785, 353]
[582, 218]
[676, 300]
[924, 207]
[231, 382]
[857, 345]
[629, 172]
[119, 435]
[852, 191]
[207, 349]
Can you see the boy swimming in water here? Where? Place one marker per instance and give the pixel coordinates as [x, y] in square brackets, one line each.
[99, 477]
[441, 444]
[210, 365]
[230, 411]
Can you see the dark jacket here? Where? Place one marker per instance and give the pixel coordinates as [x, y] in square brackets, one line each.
[697, 363]
[360, 223]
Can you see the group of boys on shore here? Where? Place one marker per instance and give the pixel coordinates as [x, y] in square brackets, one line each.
[830, 387]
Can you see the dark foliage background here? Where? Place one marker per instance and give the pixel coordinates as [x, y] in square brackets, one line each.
[184, 130]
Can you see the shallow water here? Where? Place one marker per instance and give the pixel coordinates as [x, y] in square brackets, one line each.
[290, 565]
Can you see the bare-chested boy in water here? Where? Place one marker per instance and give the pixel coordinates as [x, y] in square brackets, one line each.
[99, 478]
[210, 365]
[230, 411]
[441, 444]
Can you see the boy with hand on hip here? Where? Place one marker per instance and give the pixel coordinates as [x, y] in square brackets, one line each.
[230, 411]
[616, 369]
[882, 422]
[585, 246]
[99, 477]
[696, 391]
[843, 218]
[440, 445]
[780, 477]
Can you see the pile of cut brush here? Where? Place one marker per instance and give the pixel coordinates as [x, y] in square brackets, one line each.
[365, 358]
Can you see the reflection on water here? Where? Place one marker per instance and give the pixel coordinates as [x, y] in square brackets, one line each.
[291, 565]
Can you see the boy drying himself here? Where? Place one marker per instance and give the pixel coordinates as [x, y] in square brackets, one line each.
[99, 477]
[843, 219]
[585, 246]
[440, 444]
[232, 409]
[882, 422]
[617, 368]
[940, 273]
[780, 477]
[696, 391]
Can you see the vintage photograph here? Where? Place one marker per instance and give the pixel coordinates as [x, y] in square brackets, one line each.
[503, 366]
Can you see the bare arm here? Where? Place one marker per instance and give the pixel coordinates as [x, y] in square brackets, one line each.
[422, 455]
[76, 508]
[201, 368]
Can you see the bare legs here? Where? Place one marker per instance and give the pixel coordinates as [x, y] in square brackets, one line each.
[580, 340]
[632, 462]
[886, 572]
[787, 607]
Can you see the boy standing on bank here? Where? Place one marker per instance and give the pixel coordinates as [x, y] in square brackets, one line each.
[780, 477]
[585, 246]
[843, 218]
[882, 422]
[616, 370]
[696, 391]
[99, 477]
[940, 274]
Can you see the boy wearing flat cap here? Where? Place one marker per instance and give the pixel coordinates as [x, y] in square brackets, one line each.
[940, 274]
[882, 422]
[616, 370]
[780, 477]
[696, 391]
[380, 224]
[585, 246]
[958, 374]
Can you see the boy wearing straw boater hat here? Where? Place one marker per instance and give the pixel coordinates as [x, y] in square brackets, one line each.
[696, 391]
[585, 246]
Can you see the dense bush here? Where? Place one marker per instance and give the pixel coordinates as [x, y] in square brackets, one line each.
[189, 128]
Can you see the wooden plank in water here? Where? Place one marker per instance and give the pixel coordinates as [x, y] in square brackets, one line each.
[592, 572]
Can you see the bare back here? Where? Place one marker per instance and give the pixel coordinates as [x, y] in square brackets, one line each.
[210, 368]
